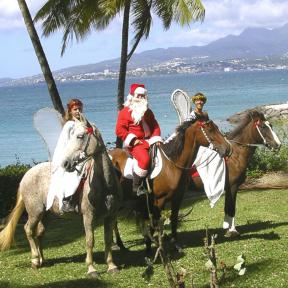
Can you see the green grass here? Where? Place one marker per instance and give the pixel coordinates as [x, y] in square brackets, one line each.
[261, 219]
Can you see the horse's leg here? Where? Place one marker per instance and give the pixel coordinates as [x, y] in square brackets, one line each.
[109, 224]
[89, 233]
[40, 233]
[119, 243]
[230, 209]
[175, 207]
[30, 228]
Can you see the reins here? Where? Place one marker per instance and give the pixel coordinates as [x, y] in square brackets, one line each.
[211, 146]
[247, 144]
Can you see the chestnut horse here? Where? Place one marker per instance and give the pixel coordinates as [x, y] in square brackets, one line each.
[101, 197]
[253, 131]
[177, 158]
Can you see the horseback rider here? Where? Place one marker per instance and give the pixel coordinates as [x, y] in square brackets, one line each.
[137, 127]
[199, 100]
[59, 184]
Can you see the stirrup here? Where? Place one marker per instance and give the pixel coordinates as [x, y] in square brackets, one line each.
[141, 190]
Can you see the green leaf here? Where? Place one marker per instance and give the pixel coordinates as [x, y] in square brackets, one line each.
[240, 259]
[238, 266]
[167, 221]
[242, 271]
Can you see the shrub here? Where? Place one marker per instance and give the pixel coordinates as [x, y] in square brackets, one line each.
[10, 177]
[265, 160]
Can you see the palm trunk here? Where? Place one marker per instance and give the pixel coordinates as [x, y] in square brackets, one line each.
[56, 100]
[123, 62]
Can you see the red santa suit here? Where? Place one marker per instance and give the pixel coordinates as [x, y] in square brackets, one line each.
[147, 131]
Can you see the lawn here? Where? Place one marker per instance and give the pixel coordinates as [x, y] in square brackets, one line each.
[262, 220]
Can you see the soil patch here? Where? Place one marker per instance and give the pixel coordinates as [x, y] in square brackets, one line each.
[274, 180]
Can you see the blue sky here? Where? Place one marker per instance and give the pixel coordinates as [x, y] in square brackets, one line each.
[223, 17]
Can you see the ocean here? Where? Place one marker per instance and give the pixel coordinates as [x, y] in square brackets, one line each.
[227, 94]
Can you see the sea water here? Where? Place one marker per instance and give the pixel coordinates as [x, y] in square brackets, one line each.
[227, 94]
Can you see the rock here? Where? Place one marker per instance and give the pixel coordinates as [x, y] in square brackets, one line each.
[271, 112]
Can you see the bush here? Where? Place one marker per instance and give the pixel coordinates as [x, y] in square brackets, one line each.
[10, 177]
[265, 160]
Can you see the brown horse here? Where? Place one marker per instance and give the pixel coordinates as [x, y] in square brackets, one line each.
[177, 156]
[101, 197]
[253, 131]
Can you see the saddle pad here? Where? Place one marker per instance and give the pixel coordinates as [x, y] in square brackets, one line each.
[128, 170]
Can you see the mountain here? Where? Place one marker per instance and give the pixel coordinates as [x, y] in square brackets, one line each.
[252, 49]
[252, 43]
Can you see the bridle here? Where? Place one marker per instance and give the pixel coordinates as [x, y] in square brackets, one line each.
[83, 157]
[202, 124]
[256, 125]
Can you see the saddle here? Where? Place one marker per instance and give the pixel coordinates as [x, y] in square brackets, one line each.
[154, 168]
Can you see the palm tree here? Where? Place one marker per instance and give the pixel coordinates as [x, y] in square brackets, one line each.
[56, 100]
[78, 18]
[179, 11]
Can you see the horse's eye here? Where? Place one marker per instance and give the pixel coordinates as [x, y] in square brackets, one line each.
[81, 136]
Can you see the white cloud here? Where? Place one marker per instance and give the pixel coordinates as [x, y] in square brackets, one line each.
[10, 15]
[223, 17]
[238, 14]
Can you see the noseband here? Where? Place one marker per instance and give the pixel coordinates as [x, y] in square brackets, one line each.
[256, 125]
[83, 154]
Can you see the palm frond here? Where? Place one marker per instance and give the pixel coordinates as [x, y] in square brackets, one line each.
[187, 11]
[142, 21]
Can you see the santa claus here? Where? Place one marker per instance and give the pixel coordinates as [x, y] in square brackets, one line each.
[138, 128]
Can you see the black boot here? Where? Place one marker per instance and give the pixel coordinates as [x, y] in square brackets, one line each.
[138, 188]
[68, 205]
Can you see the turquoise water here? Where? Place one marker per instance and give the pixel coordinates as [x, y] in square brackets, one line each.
[227, 94]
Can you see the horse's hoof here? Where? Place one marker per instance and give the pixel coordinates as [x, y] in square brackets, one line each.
[113, 270]
[232, 234]
[92, 275]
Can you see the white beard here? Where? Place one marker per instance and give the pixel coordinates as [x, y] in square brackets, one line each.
[138, 108]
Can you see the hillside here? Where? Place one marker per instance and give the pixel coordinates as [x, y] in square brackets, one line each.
[253, 49]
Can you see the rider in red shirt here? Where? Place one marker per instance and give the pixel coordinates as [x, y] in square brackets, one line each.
[138, 128]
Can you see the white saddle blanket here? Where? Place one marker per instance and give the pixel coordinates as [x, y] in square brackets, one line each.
[128, 170]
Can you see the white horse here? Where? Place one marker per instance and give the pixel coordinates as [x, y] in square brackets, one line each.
[100, 198]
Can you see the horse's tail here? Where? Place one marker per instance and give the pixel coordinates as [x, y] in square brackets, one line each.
[7, 234]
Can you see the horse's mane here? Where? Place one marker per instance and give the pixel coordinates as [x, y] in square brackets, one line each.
[174, 148]
[248, 116]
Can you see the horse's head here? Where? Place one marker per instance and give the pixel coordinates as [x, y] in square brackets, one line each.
[84, 143]
[209, 135]
[263, 131]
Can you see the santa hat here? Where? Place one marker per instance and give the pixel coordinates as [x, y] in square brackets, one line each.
[135, 89]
